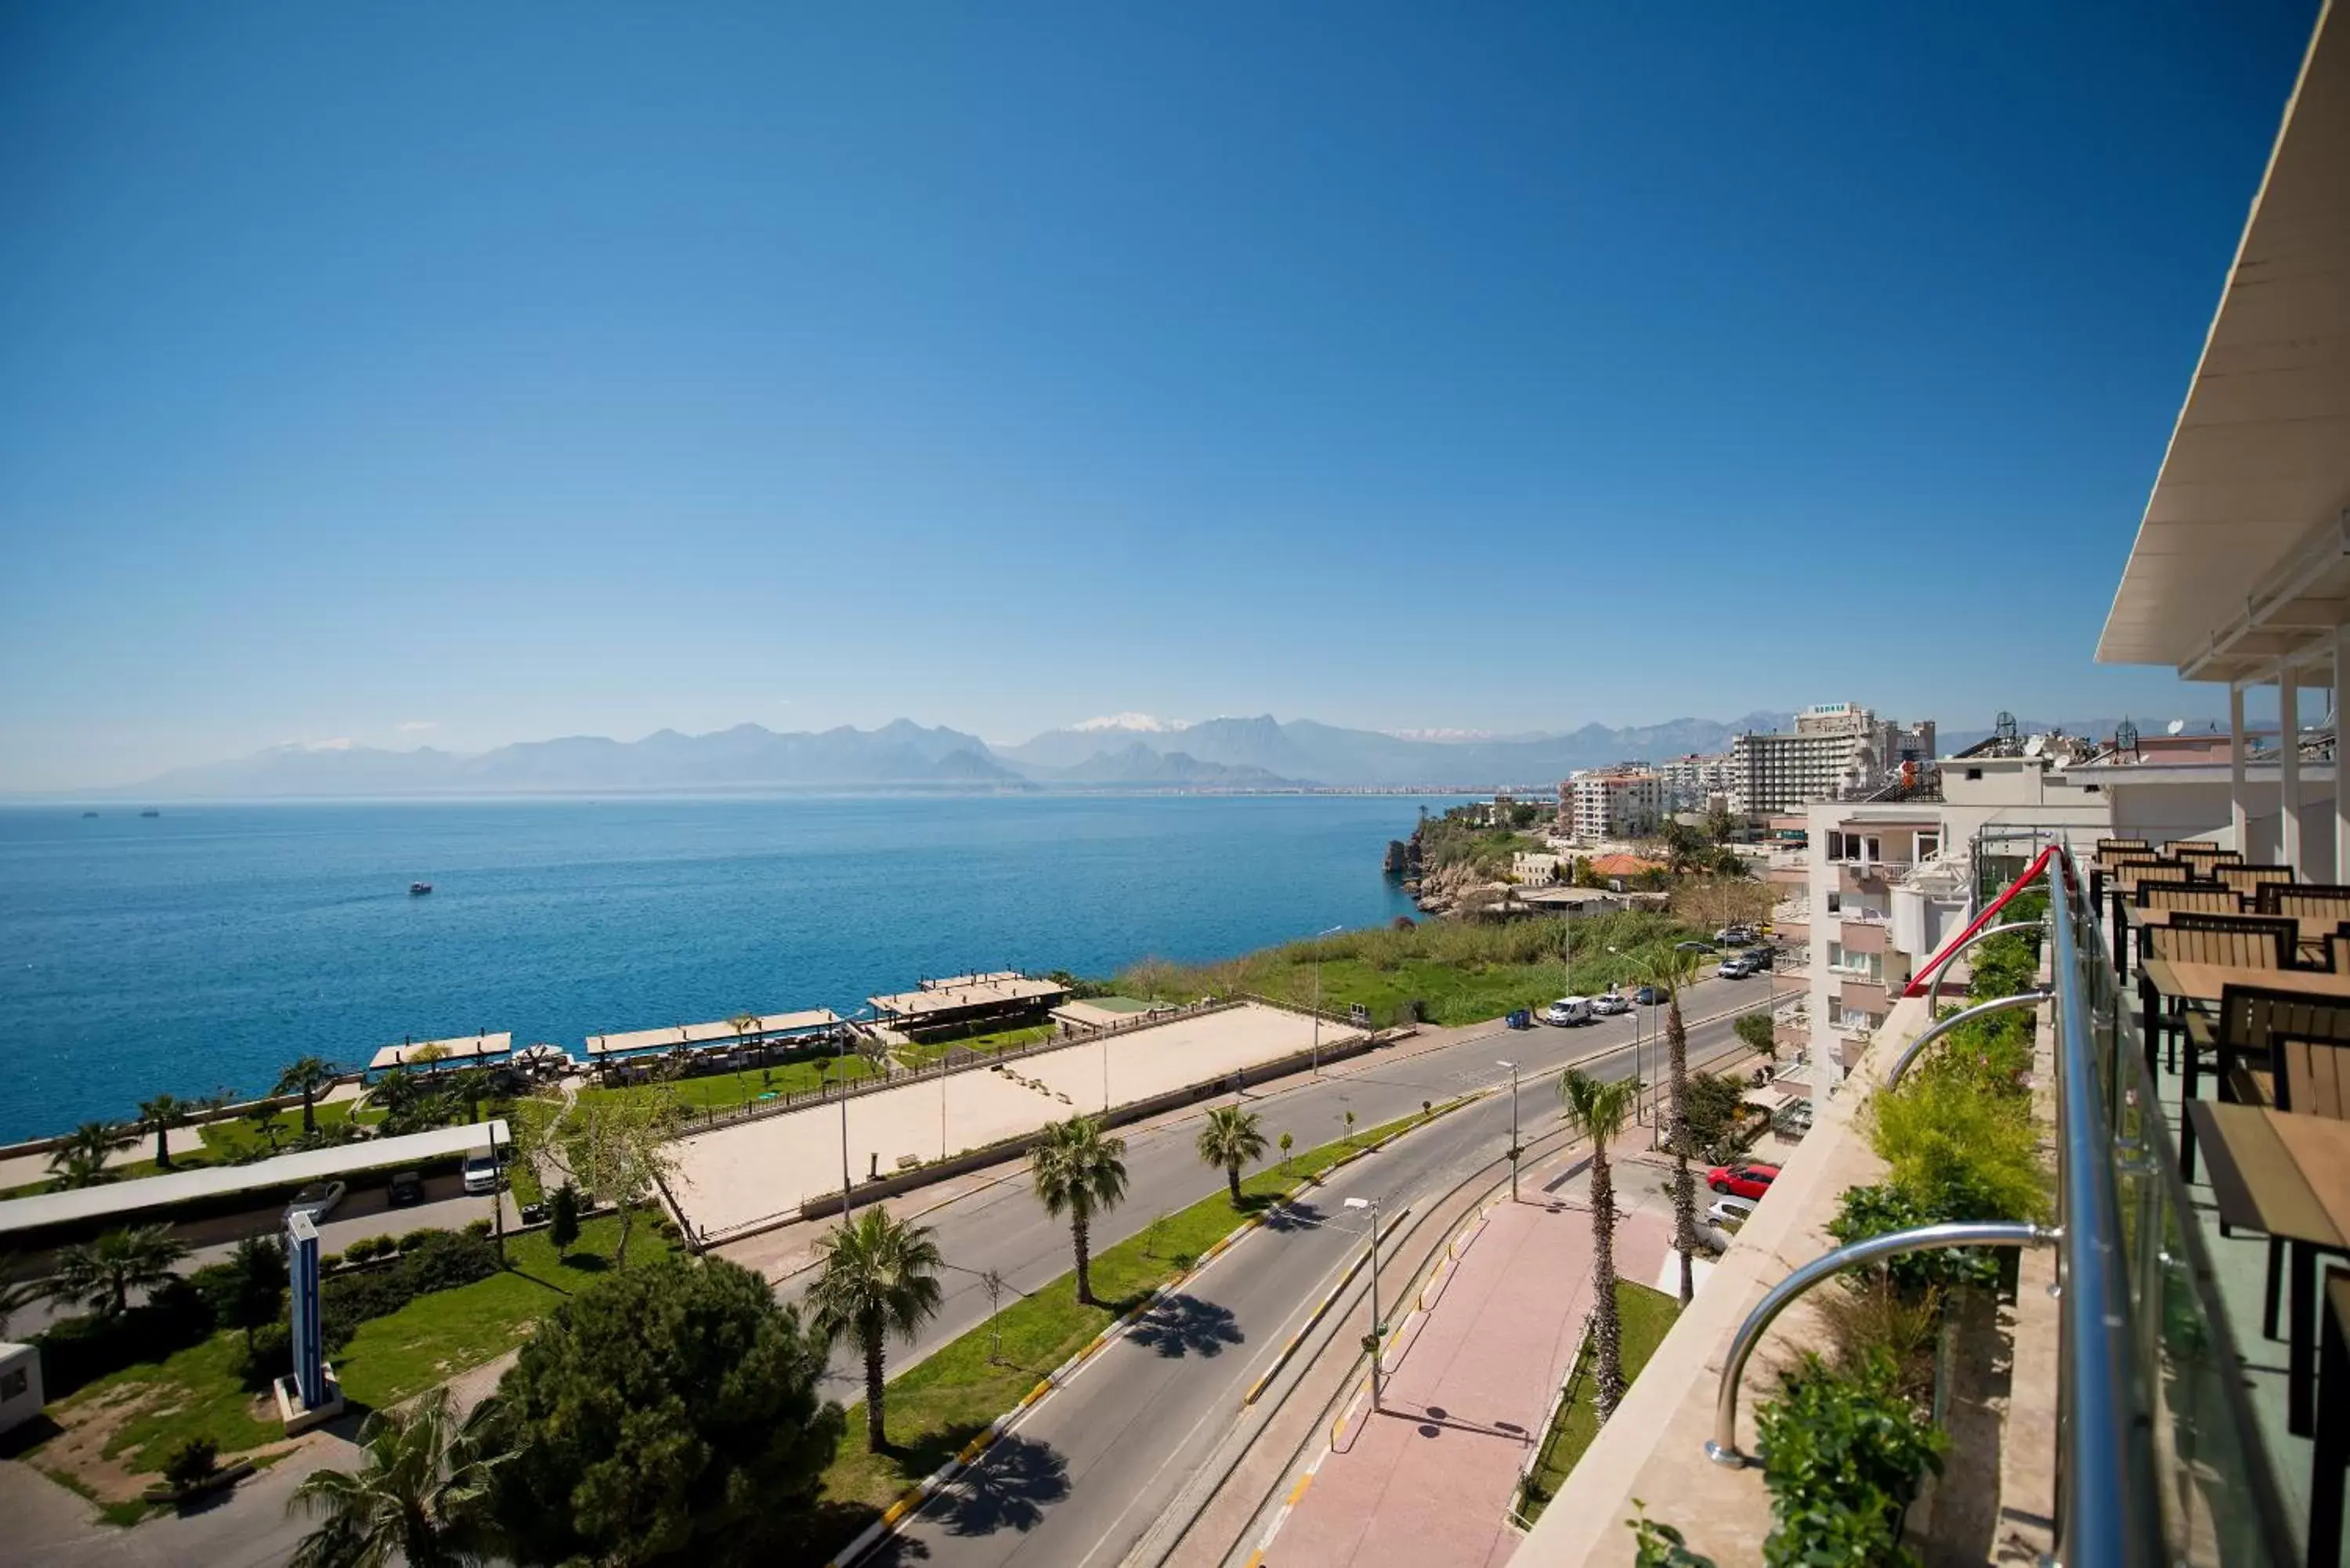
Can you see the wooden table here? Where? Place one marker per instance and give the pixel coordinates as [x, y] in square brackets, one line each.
[2287, 1176]
[2206, 983]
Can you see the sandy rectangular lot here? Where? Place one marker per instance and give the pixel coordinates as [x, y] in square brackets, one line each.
[738, 1175]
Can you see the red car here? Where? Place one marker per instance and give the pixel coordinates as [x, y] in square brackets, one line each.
[1745, 1180]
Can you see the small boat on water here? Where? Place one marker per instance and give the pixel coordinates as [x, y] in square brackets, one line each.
[417, 890]
[151, 811]
[88, 814]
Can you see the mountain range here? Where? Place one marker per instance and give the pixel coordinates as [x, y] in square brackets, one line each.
[1126, 751]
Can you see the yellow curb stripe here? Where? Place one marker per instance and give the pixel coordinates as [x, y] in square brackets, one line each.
[1299, 1489]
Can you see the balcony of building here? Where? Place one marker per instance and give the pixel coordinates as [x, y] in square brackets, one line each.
[1865, 932]
[1876, 877]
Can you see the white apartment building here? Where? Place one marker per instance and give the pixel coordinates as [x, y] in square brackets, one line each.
[1616, 803]
[1835, 749]
[1693, 782]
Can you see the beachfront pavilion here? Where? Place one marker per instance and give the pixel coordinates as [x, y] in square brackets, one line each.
[968, 1001]
[784, 1029]
[464, 1051]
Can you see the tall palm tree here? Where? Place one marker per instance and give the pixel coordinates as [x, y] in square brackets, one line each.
[1231, 1139]
[1597, 1110]
[101, 1274]
[159, 1115]
[879, 1277]
[1670, 971]
[421, 1494]
[80, 1158]
[305, 1076]
[1078, 1172]
[470, 1084]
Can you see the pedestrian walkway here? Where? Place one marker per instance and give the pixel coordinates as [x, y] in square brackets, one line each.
[1428, 1479]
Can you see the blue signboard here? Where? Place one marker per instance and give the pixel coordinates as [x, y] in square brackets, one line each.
[309, 1334]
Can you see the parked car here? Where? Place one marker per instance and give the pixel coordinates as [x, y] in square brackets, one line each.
[481, 1172]
[1734, 969]
[1568, 1010]
[407, 1188]
[1611, 1003]
[1731, 1212]
[1744, 1181]
[1649, 996]
[1759, 959]
[317, 1200]
[1730, 936]
[1693, 946]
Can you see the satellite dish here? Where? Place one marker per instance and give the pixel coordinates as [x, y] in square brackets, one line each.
[2032, 747]
[2174, 726]
[2061, 764]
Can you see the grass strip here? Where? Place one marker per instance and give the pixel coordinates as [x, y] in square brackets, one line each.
[1648, 1316]
[728, 1090]
[940, 1404]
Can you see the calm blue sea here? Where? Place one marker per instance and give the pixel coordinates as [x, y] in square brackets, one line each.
[199, 950]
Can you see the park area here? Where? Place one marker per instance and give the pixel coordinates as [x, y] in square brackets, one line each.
[738, 1177]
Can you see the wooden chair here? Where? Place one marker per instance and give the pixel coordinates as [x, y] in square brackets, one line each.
[2171, 846]
[2238, 942]
[2209, 857]
[2203, 898]
[2245, 880]
[2324, 900]
[2309, 1068]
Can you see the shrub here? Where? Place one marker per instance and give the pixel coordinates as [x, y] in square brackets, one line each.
[1957, 1153]
[1880, 1210]
[191, 1463]
[271, 1356]
[1843, 1454]
[1759, 1032]
[79, 1350]
[444, 1260]
[425, 1235]
[477, 1228]
[367, 1248]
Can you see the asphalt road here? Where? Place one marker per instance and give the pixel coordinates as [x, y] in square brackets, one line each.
[1080, 1478]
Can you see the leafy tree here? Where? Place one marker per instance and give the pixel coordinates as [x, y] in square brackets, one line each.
[103, 1274]
[1720, 824]
[1286, 1140]
[307, 1077]
[263, 1120]
[618, 1148]
[1078, 1172]
[563, 1216]
[1231, 1139]
[1670, 971]
[1598, 1110]
[159, 1115]
[247, 1290]
[80, 1159]
[662, 1414]
[421, 1494]
[1715, 1100]
[879, 1276]
[191, 1463]
[1759, 1032]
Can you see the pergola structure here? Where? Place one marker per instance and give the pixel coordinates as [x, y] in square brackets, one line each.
[2240, 572]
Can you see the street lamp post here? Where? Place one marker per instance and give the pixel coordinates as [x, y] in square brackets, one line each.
[1317, 995]
[1512, 1066]
[1378, 1384]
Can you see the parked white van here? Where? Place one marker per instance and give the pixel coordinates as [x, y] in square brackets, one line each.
[1568, 1010]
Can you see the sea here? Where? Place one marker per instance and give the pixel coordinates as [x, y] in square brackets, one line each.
[198, 951]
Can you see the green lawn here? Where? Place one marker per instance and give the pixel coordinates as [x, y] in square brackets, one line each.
[940, 1404]
[998, 1040]
[1648, 1315]
[1458, 973]
[725, 1091]
[436, 1336]
[233, 1136]
[153, 1407]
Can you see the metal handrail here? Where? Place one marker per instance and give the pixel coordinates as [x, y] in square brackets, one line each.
[1945, 1025]
[1934, 969]
[2107, 1508]
[1722, 1446]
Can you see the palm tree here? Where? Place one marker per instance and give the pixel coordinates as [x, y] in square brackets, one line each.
[305, 1076]
[470, 1084]
[881, 1277]
[1597, 1111]
[15, 1294]
[1670, 971]
[80, 1159]
[101, 1274]
[1078, 1172]
[1231, 1139]
[159, 1115]
[421, 1494]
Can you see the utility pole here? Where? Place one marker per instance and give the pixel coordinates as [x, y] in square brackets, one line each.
[1512, 1066]
[1317, 994]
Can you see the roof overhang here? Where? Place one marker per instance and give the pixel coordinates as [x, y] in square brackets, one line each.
[2242, 560]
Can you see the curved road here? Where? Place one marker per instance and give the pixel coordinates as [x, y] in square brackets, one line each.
[1089, 1470]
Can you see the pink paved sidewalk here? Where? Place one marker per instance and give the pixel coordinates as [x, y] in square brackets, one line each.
[1429, 1480]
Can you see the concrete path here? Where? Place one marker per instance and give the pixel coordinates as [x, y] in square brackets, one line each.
[1429, 1478]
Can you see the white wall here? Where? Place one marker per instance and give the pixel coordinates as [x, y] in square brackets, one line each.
[19, 1408]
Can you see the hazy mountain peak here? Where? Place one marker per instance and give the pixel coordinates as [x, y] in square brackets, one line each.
[1141, 722]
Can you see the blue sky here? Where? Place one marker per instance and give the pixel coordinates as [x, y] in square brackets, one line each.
[462, 374]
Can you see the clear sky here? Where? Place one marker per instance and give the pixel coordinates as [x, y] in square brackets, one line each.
[461, 373]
